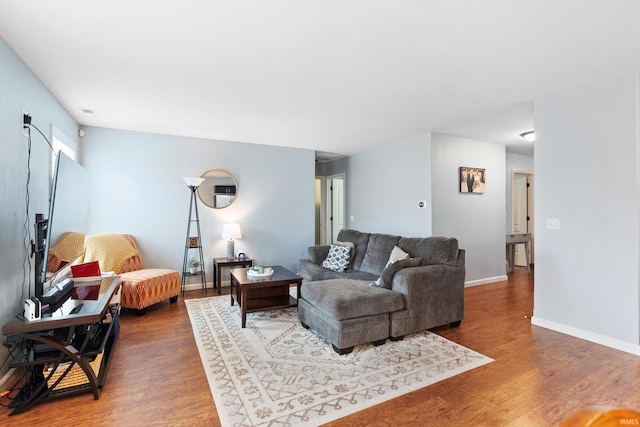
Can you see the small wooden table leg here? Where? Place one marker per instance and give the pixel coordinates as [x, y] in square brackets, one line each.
[243, 306]
[231, 289]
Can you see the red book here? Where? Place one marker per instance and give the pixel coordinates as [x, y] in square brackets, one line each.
[88, 269]
[87, 280]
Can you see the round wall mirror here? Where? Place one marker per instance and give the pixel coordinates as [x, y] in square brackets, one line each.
[219, 189]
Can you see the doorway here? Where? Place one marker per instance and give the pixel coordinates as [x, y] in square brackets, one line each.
[522, 212]
[319, 216]
[330, 208]
[335, 206]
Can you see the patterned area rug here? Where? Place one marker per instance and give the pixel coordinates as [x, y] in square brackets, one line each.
[275, 372]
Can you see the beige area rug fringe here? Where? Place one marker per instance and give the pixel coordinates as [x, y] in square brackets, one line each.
[276, 373]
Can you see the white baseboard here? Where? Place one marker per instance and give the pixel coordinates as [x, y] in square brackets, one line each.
[586, 335]
[195, 286]
[485, 281]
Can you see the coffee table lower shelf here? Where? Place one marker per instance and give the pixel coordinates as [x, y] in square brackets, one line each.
[271, 303]
[264, 293]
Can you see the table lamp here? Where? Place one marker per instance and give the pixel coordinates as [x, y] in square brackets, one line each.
[231, 231]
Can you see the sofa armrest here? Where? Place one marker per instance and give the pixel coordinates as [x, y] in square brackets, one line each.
[318, 253]
[433, 294]
[417, 281]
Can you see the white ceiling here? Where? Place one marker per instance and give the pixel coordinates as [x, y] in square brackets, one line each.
[339, 76]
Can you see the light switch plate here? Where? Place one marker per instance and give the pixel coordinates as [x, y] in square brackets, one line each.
[553, 223]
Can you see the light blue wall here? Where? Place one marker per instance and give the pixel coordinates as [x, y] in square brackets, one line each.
[21, 90]
[477, 220]
[384, 186]
[586, 175]
[138, 189]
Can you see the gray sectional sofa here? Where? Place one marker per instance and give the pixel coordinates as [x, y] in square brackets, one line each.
[348, 308]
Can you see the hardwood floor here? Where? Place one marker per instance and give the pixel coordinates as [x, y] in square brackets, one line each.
[538, 377]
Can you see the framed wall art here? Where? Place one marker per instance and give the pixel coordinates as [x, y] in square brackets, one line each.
[193, 242]
[472, 180]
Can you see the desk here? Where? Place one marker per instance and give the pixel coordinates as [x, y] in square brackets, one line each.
[220, 263]
[61, 337]
[517, 239]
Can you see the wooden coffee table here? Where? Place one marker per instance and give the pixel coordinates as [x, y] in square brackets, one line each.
[263, 293]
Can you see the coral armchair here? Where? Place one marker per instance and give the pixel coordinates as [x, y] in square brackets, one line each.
[141, 287]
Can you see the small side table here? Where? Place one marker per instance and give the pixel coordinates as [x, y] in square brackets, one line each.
[220, 263]
[512, 241]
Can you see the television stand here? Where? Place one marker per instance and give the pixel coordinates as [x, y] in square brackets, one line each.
[63, 344]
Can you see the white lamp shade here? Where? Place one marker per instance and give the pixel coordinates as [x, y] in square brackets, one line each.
[231, 231]
[192, 181]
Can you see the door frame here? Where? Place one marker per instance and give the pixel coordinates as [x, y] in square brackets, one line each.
[327, 224]
[320, 214]
[530, 206]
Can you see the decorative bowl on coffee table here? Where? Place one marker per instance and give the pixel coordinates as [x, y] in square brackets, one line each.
[257, 271]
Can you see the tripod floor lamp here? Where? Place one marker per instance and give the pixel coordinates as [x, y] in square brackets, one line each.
[193, 241]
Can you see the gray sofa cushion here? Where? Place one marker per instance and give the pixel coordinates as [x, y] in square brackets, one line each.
[349, 274]
[432, 250]
[360, 240]
[311, 271]
[336, 298]
[378, 251]
[318, 253]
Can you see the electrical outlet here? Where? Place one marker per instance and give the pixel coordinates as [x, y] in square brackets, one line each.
[26, 121]
[553, 223]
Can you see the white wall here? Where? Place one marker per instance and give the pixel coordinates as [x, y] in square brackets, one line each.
[21, 90]
[138, 189]
[384, 186]
[477, 220]
[586, 172]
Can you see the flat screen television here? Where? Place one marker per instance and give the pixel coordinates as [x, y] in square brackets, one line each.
[65, 226]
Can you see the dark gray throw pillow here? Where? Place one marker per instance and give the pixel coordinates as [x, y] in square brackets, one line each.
[386, 278]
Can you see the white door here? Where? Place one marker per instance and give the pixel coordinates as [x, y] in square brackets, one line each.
[522, 212]
[319, 218]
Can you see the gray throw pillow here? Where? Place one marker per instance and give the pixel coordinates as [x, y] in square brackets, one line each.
[386, 278]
